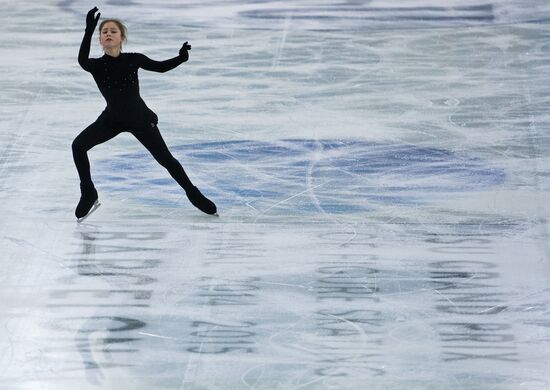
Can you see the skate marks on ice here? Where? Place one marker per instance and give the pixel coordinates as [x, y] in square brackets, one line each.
[330, 15]
[188, 303]
[305, 176]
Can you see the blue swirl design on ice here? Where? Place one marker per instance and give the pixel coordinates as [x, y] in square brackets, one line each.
[334, 176]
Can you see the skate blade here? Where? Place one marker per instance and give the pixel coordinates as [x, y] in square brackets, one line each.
[94, 208]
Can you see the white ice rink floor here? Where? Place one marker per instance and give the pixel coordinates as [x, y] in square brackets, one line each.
[381, 170]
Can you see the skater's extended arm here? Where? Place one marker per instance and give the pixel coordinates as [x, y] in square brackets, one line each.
[84, 52]
[165, 66]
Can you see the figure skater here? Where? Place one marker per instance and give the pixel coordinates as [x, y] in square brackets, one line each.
[116, 75]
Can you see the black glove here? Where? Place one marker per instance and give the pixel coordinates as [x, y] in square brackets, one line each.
[183, 51]
[91, 19]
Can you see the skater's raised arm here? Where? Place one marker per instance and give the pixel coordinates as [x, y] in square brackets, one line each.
[165, 66]
[84, 52]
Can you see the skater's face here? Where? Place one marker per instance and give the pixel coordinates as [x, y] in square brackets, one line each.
[110, 36]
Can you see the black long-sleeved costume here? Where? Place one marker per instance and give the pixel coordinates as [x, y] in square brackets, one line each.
[117, 79]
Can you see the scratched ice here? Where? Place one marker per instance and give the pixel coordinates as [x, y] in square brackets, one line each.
[382, 174]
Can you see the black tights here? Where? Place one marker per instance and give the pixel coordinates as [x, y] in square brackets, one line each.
[150, 137]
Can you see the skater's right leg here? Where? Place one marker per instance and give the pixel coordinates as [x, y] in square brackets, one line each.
[95, 134]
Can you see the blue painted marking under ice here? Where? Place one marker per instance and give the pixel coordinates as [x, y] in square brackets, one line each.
[329, 175]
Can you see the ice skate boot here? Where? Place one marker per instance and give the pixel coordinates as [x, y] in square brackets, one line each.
[200, 201]
[88, 202]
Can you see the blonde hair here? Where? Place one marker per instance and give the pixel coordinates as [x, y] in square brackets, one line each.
[121, 27]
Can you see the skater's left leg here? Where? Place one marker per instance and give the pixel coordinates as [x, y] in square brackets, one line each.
[153, 141]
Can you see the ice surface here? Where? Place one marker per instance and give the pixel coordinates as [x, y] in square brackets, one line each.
[382, 175]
